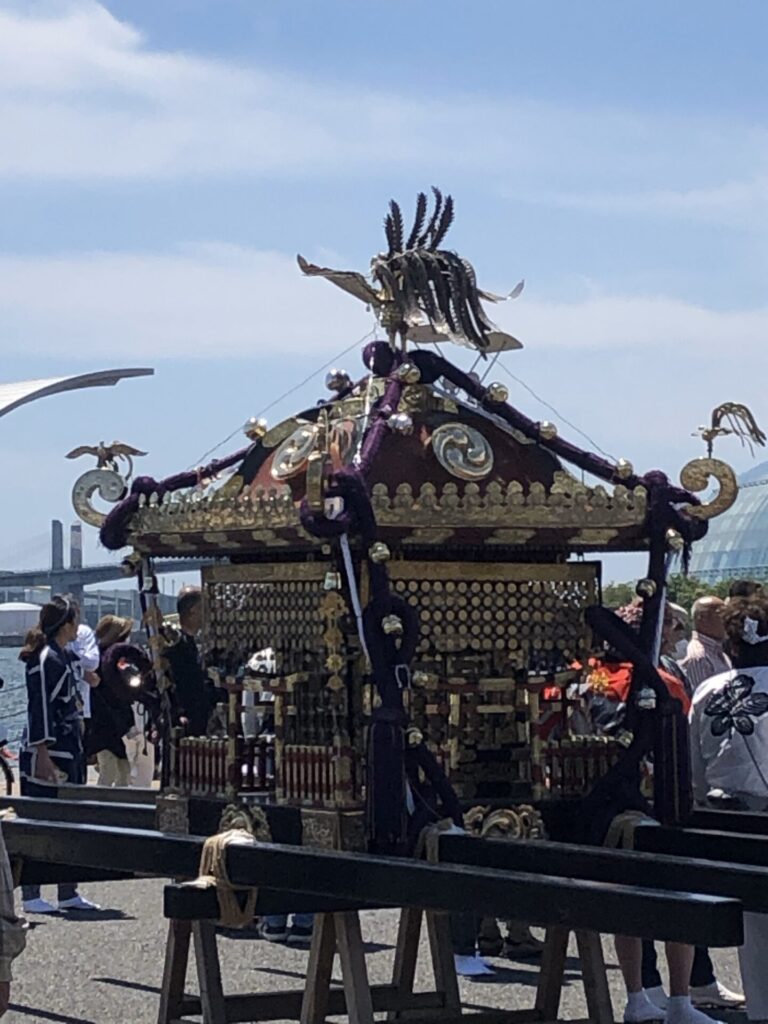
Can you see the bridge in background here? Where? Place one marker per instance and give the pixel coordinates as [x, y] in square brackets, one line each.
[72, 579]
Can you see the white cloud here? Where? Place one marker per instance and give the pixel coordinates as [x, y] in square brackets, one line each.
[211, 301]
[83, 96]
[625, 321]
[225, 301]
[739, 204]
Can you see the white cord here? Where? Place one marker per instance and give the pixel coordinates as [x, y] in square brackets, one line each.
[353, 592]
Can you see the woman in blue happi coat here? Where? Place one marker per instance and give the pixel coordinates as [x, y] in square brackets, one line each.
[52, 744]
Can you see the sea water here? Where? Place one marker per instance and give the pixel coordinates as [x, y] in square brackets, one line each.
[13, 696]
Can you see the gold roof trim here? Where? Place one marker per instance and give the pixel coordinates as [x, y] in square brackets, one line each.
[566, 505]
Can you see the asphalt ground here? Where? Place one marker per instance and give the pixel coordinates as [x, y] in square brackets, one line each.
[107, 968]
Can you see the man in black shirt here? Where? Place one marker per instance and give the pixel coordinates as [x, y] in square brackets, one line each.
[193, 693]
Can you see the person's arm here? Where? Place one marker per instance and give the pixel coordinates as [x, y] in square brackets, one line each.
[12, 934]
[87, 650]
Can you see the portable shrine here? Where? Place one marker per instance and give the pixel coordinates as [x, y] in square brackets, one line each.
[417, 557]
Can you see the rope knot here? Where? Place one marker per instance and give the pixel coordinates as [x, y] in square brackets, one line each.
[213, 873]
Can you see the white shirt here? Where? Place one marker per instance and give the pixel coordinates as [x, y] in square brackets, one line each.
[729, 735]
[87, 650]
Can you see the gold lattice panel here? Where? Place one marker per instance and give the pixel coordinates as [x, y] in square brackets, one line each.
[508, 610]
[251, 607]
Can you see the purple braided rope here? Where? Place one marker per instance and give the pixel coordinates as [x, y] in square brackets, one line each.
[114, 529]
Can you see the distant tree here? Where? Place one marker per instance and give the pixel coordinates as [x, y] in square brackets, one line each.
[682, 590]
[616, 595]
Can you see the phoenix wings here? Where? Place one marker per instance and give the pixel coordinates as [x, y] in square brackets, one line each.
[421, 291]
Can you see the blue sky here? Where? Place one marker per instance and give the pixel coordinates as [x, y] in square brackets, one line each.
[162, 164]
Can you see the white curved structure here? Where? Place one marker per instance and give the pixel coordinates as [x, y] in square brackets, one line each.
[14, 395]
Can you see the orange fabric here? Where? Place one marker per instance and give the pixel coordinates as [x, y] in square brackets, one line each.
[613, 679]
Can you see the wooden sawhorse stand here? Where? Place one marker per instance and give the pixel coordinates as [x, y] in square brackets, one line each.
[340, 933]
[333, 933]
[551, 976]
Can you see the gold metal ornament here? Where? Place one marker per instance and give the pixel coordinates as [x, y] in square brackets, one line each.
[378, 552]
[409, 373]
[332, 581]
[732, 418]
[547, 430]
[107, 478]
[255, 428]
[497, 392]
[624, 469]
[645, 588]
[317, 465]
[696, 476]
[674, 540]
[292, 455]
[110, 485]
[463, 451]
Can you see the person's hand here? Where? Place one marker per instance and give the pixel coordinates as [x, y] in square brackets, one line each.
[45, 769]
[5, 996]
[92, 678]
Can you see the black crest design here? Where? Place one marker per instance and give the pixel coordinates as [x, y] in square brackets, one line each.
[736, 707]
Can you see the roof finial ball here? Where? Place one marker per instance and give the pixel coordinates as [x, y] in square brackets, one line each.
[337, 380]
[255, 428]
[547, 430]
[497, 393]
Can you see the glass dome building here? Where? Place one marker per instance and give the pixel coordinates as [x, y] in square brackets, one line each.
[736, 546]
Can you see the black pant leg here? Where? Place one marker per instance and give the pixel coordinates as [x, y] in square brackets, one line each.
[649, 970]
[702, 972]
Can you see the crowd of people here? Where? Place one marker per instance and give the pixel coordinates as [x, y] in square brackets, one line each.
[91, 703]
[87, 704]
[720, 676]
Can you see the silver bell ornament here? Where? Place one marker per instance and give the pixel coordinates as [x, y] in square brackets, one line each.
[392, 625]
[337, 380]
[401, 423]
[378, 552]
[645, 588]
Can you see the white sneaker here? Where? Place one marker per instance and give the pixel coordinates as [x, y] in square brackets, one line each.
[640, 1010]
[716, 995]
[471, 966]
[681, 1011]
[78, 902]
[38, 906]
[658, 996]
